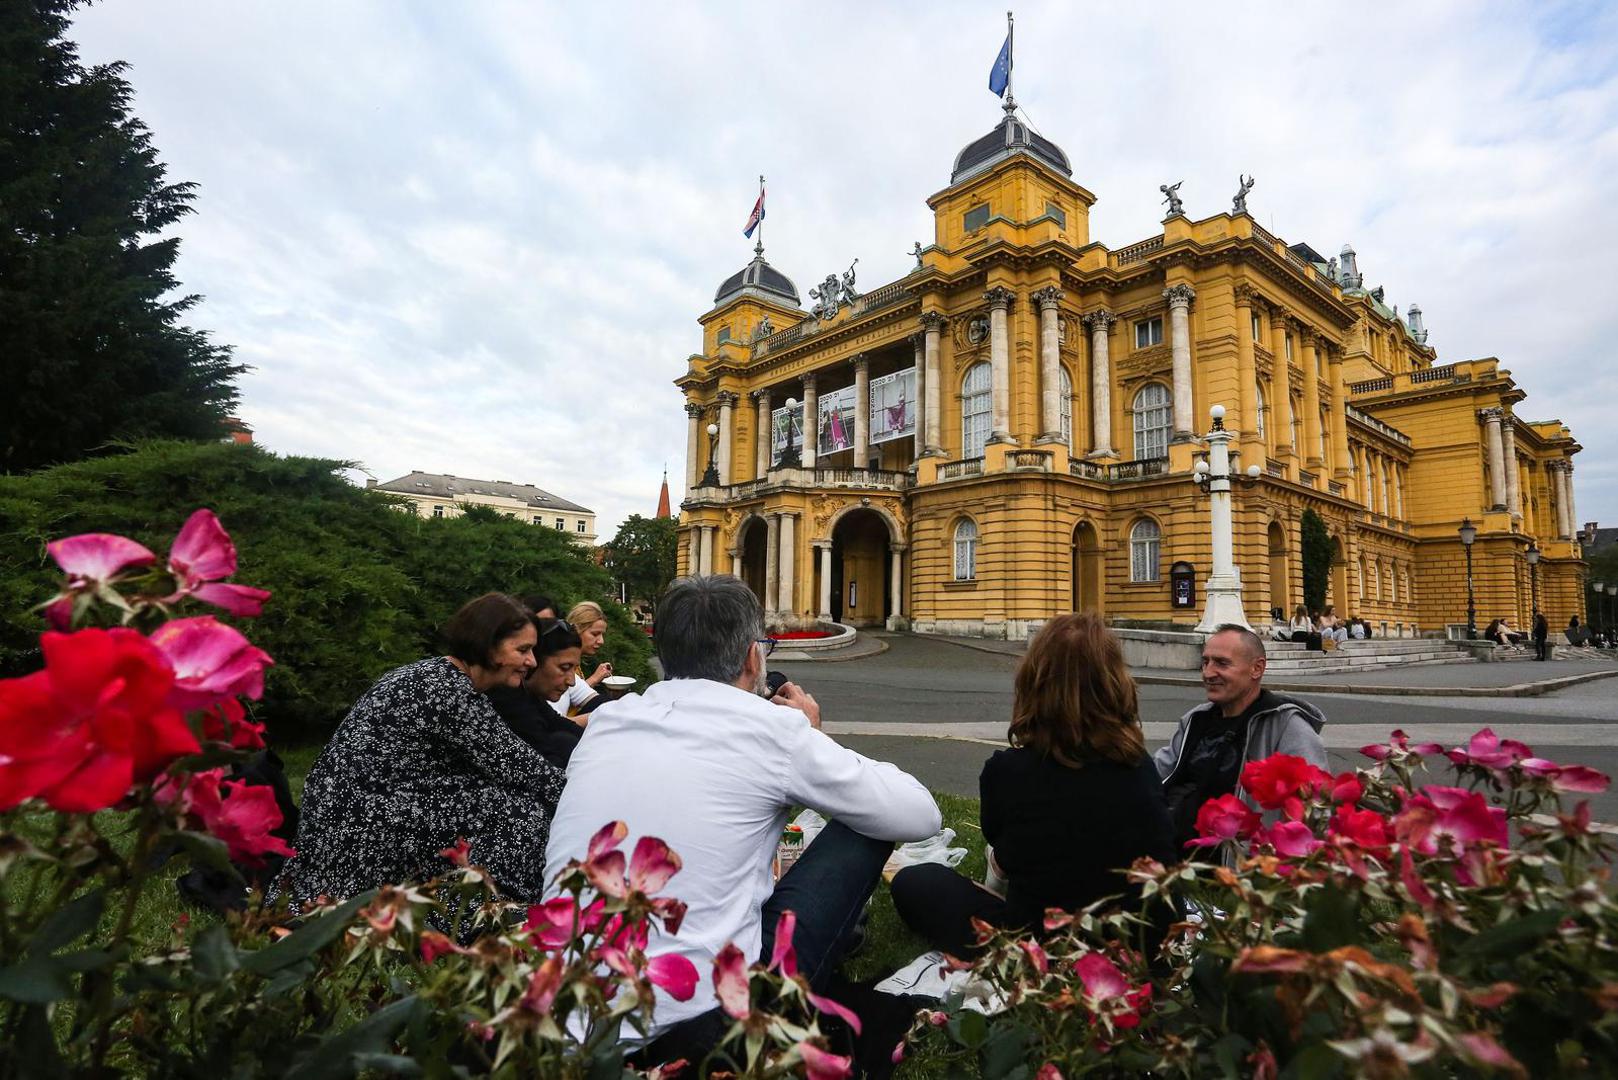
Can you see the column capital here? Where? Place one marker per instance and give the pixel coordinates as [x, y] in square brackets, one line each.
[728, 397]
[1000, 297]
[1280, 314]
[1491, 416]
[693, 410]
[894, 546]
[1047, 298]
[760, 396]
[862, 362]
[1245, 295]
[1100, 319]
[917, 339]
[808, 379]
[818, 544]
[932, 321]
[1308, 335]
[1179, 295]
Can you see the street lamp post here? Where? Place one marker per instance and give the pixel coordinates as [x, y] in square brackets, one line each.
[1532, 555]
[1469, 533]
[1224, 590]
[710, 478]
[1592, 614]
[1612, 592]
[790, 458]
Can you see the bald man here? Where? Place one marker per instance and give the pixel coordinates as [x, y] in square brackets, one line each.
[1240, 722]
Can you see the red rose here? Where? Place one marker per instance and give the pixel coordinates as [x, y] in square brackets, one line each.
[95, 721]
[1224, 818]
[1281, 780]
[236, 812]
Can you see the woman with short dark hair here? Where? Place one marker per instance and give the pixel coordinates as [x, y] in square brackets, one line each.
[423, 760]
[528, 709]
[1073, 803]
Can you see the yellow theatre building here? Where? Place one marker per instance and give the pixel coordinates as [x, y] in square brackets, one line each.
[1010, 431]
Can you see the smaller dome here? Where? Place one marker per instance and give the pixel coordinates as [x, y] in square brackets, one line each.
[758, 278]
[1010, 137]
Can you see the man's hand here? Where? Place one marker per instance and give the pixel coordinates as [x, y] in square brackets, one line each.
[792, 694]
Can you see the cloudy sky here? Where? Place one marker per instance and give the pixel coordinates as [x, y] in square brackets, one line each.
[474, 237]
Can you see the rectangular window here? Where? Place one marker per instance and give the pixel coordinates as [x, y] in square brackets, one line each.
[560, 524]
[438, 511]
[1289, 346]
[538, 520]
[581, 525]
[977, 217]
[1052, 210]
[1256, 336]
[1149, 332]
[723, 335]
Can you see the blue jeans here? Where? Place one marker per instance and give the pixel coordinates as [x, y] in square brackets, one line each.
[827, 889]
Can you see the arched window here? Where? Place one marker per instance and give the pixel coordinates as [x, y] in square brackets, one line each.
[1393, 584]
[1376, 580]
[1145, 549]
[1258, 402]
[1064, 404]
[976, 405]
[966, 550]
[1152, 423]
[1325, 432]
[1293, 410]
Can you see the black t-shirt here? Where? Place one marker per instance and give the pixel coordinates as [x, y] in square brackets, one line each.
[537, 724]
[1210, 763]
[1062, 834]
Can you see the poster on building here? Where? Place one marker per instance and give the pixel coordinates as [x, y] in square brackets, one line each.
[893, 406]
[836, 420]
[786, 429]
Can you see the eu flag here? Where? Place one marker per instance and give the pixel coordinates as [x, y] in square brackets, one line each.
[1000, 74]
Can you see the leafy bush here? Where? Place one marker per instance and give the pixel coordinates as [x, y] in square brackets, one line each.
[360, 586]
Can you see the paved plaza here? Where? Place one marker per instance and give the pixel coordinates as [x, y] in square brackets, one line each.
[938, 708]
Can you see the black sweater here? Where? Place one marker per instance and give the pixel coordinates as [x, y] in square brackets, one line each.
[1063, 835]
[537, 724]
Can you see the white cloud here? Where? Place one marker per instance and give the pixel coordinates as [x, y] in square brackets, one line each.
[475, 238]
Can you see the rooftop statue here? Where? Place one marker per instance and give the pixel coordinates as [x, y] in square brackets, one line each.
[1172, 198]
[1238, 205]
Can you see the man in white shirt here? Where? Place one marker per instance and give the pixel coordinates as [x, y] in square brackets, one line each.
[703, 761]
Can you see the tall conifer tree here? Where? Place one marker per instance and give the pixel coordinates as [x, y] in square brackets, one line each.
[92, 349]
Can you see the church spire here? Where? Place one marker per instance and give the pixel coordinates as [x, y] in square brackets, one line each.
[663, 496]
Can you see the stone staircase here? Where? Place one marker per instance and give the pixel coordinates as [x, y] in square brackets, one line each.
[1371, 654]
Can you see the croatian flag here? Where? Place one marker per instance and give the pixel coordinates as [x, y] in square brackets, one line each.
[1000, 74]
[756, 216]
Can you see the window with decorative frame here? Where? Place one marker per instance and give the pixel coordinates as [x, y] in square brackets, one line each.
[975, 218]
[1145, 550]
[1152, 421]
[977, 404]
[1258, 405]
[1149, 332]
[1064, 405]
[966, 550]
[1258, 328]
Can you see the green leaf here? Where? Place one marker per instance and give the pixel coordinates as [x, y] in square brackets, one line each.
[1317, 1061]
[307, 939]
[342, 1055]
[36, 981]
[1512, 936]
[968, 1028]
[213, 955]
[68, 924]
[1005, 1052]
[389, 1064]
[1330, 920]
[208, 851]
[607, 1062]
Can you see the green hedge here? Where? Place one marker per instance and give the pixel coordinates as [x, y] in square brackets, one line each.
[360, 586]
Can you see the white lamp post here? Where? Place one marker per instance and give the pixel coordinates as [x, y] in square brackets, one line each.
[1224, 588]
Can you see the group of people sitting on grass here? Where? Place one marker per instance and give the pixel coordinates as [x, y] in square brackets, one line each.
[1314, 629]
[711, 760]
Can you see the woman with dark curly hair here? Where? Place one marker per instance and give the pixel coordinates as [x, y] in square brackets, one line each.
[1073, 803]
[422, 760]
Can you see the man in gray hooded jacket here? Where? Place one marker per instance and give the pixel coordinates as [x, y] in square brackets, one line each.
[1241, 722]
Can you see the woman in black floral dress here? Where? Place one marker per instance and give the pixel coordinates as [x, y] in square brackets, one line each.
[421, 760]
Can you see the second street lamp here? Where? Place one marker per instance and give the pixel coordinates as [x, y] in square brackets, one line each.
[1469, 533]
[1532, 555]
[710, 478]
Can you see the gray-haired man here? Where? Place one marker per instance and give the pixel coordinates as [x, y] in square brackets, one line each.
[705, 763]
[1241, 722]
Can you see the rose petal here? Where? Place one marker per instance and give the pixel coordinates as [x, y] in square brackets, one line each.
[98, 557]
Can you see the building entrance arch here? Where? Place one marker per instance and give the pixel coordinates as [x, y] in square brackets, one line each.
[1280, 579]
[1339, 579]
[862, 554]
[1088, 575]
[753, 544]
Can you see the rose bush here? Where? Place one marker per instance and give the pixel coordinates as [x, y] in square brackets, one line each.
[1379, 924]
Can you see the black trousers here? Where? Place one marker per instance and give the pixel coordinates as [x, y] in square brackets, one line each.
[1541, 644]
[939, 905]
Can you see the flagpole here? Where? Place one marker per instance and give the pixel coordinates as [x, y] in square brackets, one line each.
[758, 248]
[1011, 59]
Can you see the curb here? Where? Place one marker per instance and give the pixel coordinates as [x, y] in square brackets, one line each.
[964, 644]
[1531, 689]
[882, 647]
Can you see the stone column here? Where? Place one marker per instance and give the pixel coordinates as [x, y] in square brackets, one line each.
[1100, 324]
[896, 581]
[1367, 481]
[1179, 298]
[705, 563]
[1311, 400]
[1497, 458]
[787, 562]
[1399, 490]
[735, 564]
[1338, 416]
[862, 410]
[727, 404]
[1252, 446]
[823, 547]
[1572, 503]
[1049, 300]
[1281, 386]
[761, 436]
[1508, 434]
[772, 561]
[693, 429]
[811, 421]
[1000, 299]
[1223, 591]
[918, 341]
[1564, 509]
[932, 326]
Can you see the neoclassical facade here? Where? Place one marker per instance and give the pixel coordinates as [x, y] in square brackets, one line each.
[1010, 430]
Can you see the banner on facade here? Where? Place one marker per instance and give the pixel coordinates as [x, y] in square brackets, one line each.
[893, 406]
[786, 429]
[836, 420]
